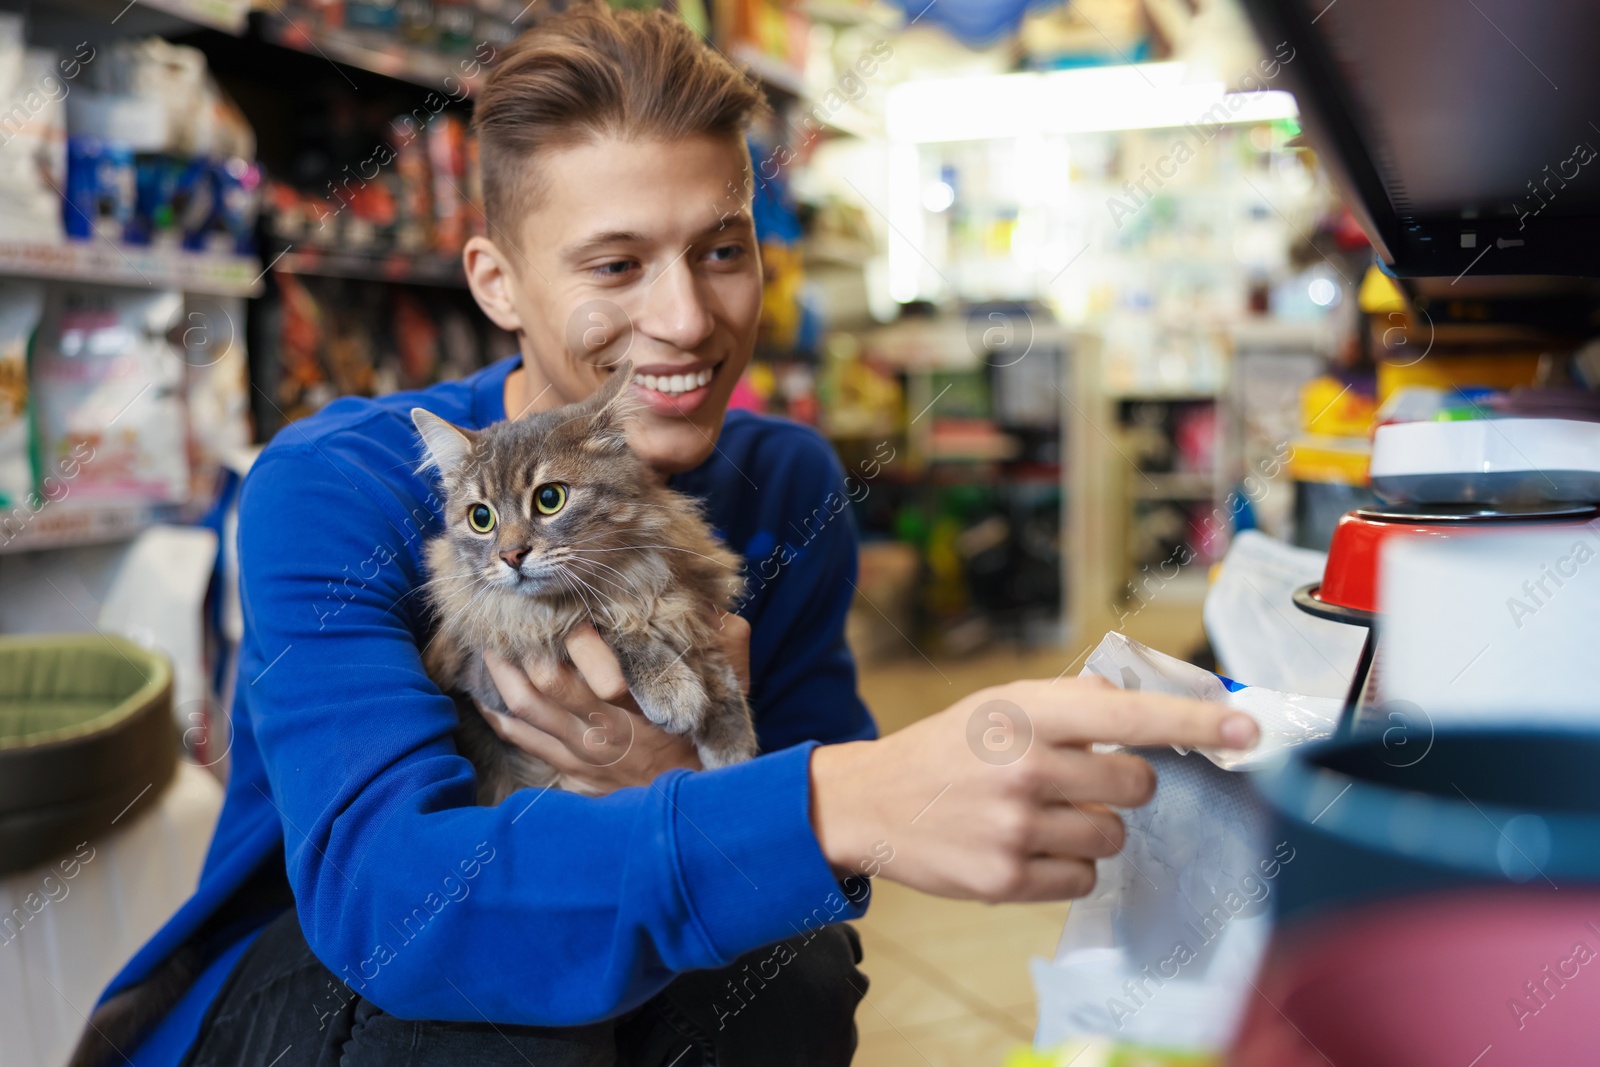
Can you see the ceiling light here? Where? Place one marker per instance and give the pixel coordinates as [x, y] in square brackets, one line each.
[1086, 100]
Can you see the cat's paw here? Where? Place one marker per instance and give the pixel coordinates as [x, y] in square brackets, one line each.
[727, 735]
[726, 752]
[673, 698]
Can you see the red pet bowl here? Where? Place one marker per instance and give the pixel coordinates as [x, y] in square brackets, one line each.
[1348, 591]
[1469, 977]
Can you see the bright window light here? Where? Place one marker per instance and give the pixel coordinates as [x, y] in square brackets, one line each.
[1135, 97]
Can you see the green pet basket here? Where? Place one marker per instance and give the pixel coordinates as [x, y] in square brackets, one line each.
[87, 741]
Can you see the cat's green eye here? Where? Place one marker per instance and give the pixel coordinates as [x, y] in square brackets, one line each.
[550, 498]
[481, 518]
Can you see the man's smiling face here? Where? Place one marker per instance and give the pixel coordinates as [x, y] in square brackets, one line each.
[636, 249]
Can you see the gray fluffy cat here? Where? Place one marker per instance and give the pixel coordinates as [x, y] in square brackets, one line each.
[552, 520]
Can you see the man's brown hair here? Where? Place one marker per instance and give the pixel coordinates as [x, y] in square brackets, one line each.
[594, 72]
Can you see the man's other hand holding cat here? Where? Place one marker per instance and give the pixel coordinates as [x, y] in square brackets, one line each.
[582, 720]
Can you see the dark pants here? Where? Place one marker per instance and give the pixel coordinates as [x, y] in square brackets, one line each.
[280, 1001]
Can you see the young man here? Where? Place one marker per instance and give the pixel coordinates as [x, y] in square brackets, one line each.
[358, 908]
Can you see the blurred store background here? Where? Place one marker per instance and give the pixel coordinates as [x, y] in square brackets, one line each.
[1064, 284]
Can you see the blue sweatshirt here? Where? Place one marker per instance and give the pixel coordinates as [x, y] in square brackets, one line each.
[550, 909]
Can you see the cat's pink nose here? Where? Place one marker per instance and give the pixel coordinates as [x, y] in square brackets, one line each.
[514, 557]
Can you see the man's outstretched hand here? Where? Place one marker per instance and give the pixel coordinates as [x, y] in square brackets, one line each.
[999, 797]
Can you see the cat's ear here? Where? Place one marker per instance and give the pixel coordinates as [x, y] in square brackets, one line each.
[612, 405]
[447, 444]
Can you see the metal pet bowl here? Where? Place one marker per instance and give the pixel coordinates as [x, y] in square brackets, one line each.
[1442, 900]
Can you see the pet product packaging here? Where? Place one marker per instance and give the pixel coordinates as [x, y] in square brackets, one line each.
[20, 304]
[33, 134]
[108, 395]
[109, 134]
[1257, 631]
[158, 154]
[212, 344]
[447, 159]
[1161, 955]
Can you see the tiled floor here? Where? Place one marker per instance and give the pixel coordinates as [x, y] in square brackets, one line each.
[950, 982]
[949, 979]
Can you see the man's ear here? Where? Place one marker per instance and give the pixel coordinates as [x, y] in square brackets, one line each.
[447, 444]
[491, 277]
[612, 406]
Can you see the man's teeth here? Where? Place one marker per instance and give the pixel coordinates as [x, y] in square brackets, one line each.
[677, 384]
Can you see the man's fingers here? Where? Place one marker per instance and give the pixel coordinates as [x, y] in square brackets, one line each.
[562, 685]
[1069, 713]
[1122, 780]
[597, 664]
[1053, 878]
[733, 632]
[1069, 830]
[527, 703]
[530, 739]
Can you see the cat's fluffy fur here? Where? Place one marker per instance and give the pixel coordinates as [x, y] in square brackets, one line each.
[625, 552]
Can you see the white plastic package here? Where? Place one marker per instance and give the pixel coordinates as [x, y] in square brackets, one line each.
[1163, 952]
[1285, 718]
[1259, 634]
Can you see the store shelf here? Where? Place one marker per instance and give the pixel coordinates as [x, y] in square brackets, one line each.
[769, 70]
[376, 53]
[381, 54]
[1444, 153]
[229, 16]
[104, 263]
[974, 450]
[1176, 485]
[844, 13]
[397, 267]
[836, 429]
[119, 17]
[1158, 396]
[1270, 334]
[849, 120]
[67, 525]
[838, 252]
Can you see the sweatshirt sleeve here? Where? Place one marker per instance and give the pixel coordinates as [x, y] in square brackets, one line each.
[550, 909]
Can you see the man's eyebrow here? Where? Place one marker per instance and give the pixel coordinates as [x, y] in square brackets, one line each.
[731, 219]
[600, 240]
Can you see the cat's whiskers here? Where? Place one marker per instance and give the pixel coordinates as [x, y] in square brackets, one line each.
[601, 597]
[643, 504]
[552, 558]
[668, 548]
[570, 552]
[596, 574]
[566, 580]
[630, 585]
[597, 563]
